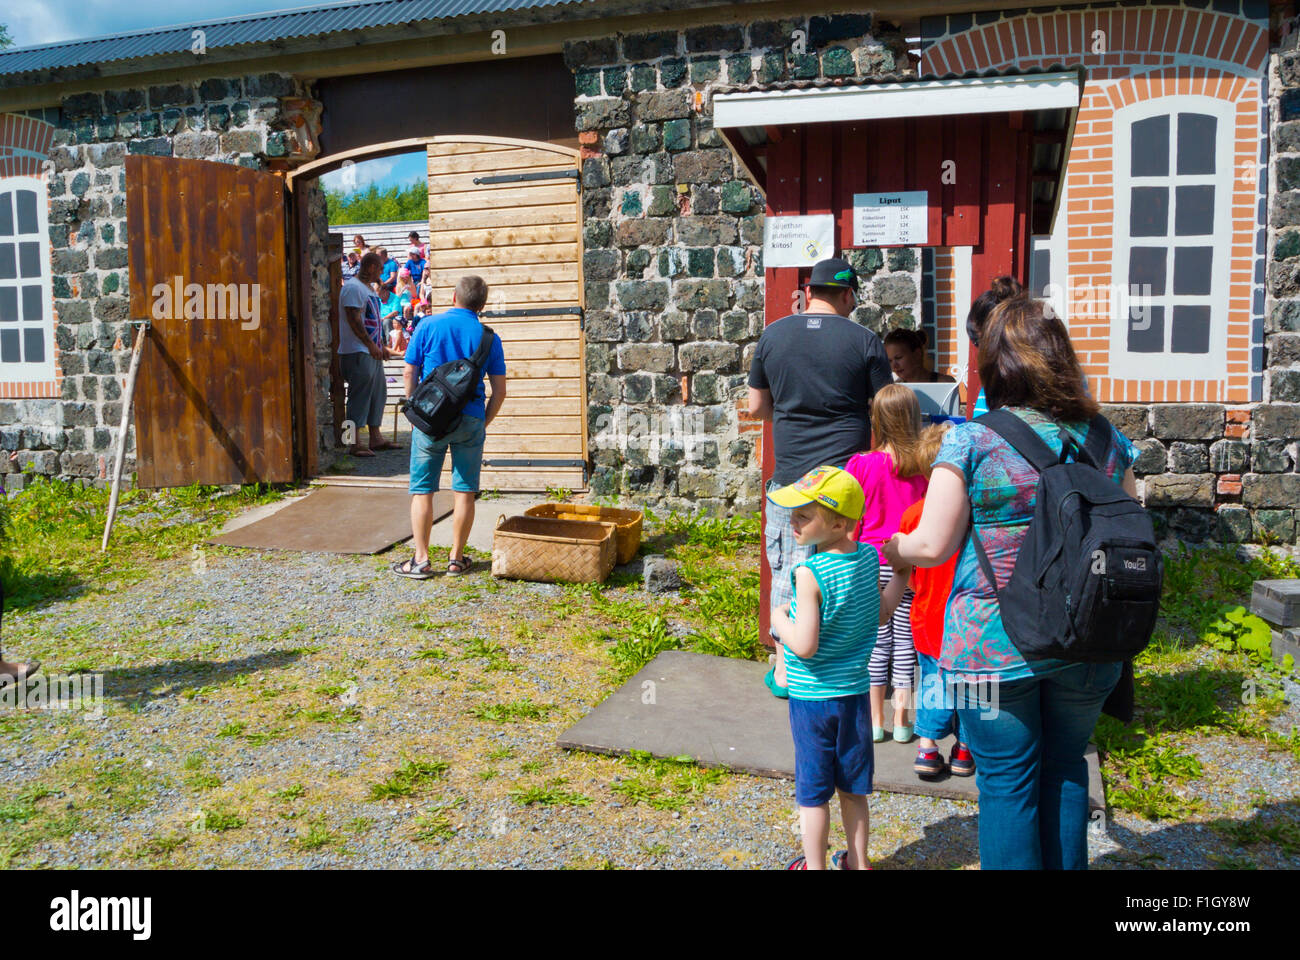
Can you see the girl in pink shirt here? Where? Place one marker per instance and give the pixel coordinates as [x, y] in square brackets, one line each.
[894, 475]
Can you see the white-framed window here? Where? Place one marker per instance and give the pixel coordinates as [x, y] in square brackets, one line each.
[1172, 239]
[26, 302]
[1049, 261]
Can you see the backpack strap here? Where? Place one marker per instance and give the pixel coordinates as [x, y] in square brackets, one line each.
[1022, 438]
[1100, 432]
[480, 355]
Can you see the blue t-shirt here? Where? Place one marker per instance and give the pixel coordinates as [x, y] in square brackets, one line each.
[416, 267]
[455, 335]
[850, 615]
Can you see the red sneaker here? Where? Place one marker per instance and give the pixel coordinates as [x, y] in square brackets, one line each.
[961, 762]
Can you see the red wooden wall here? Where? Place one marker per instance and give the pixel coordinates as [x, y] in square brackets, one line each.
[817, 168]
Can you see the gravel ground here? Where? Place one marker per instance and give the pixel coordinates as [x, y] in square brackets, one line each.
[255, 700]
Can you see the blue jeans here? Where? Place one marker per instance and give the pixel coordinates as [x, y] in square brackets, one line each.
[428, 456]
[936, 714]
[1030, 771]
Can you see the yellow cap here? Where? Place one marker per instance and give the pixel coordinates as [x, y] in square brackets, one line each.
[829, 486]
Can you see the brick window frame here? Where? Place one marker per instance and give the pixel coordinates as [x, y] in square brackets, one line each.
[1124, 364]
[24, 293]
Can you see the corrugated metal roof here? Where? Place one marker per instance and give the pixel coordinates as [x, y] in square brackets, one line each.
[820, 83]
[258, 28]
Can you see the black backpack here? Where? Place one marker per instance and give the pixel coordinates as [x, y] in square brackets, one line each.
[437, 404]
[1086, 583]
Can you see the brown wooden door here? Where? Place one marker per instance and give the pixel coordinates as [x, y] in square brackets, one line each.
[212, 402]
[510, 211]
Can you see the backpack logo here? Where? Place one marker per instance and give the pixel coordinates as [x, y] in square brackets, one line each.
[1137, 564]
[814, 323]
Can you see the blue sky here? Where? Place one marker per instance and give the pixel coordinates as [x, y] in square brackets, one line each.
[385, 172]
[49, 21]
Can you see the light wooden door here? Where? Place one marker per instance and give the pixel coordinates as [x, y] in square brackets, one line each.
[510, 211]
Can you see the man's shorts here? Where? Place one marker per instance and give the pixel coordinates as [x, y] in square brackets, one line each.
[783, 554]
[428, 456]
[832, 748]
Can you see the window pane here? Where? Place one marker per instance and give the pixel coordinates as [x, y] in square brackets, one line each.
[29, 259]
[32, 304]
[1194, 211]
[1196, 143]
[1149, 148]
[1146, 329]
[8, 304]
[1149, 213]
[1192, 271]
[34, 346]
[1191, 332]
[9, 346]
[8, 262]
[1040, 272]
[1146, 271]
[26, 211]
[6, 216]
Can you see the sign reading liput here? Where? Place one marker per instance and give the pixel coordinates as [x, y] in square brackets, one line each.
[798, 241]
[890, 219]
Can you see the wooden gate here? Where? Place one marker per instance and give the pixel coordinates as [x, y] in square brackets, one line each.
[207, 267]
[510, 212]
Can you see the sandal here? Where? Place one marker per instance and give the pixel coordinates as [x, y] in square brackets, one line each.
[456, 567]
[769, 681]
[798, 863]
[841, 861]
[409, 568]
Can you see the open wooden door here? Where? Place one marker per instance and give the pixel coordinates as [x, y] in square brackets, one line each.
[510, 212]
[208, 268]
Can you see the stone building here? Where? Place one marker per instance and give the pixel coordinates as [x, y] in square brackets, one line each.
[1182, 184]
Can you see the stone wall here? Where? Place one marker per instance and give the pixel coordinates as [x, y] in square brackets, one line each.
[245, 120]
[320, 252]
[673, 236]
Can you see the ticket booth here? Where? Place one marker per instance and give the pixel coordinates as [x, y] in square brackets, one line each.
[971, 163]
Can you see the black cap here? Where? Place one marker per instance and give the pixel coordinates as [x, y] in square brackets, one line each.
[833, 273]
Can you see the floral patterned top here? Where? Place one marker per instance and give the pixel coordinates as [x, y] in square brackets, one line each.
[1002, 487]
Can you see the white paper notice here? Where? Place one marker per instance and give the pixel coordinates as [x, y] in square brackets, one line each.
[798, 241]
[890, 219]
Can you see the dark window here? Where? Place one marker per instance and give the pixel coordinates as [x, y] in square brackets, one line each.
[1191, 329]
[1146, 329]
[9, 347]
[1040, 272]
[29, 259]
[34, 345]
[1196, 143]
[6, 216]
[8, 262]
[31, 304]
[1192, 271]
[1146, 271]
[8, 305]
[1150, 151]
[1149, 213]
[26, 211]
[1194, 211]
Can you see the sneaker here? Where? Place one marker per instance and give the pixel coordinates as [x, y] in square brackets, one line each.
[840, 861]
[961, 763]
[928, 763]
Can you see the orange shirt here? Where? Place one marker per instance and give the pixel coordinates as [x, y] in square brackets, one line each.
[931, 586]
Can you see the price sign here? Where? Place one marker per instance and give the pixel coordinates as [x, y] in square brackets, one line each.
[890, 219]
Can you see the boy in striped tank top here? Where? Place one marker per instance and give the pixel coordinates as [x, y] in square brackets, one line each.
[828, 631]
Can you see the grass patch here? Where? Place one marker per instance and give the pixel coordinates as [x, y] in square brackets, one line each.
[549, 794]
[408, 778]
[294, 792]
[216, 820]
[435, 826]
[512, 712]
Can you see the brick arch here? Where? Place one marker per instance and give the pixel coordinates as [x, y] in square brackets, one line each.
[1149, 36]
[24, 144]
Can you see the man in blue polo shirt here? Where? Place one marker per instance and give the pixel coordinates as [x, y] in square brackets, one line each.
[453, 335]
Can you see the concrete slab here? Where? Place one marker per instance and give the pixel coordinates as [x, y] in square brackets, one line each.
[486, 511]
[717, 710]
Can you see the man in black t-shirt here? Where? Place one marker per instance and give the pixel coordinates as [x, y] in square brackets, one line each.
[813, 376]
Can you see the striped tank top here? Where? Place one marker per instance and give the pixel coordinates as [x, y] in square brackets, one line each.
[850, 612]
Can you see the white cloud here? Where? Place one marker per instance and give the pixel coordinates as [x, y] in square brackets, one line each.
[359, 176]
[34, 22]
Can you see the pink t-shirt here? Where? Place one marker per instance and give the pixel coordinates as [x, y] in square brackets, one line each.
[887, 496]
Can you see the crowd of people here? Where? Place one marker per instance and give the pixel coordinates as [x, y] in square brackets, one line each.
[404, 288]
[876, 578]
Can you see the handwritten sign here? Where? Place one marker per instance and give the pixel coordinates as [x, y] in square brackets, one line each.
[890, 219]
[798, 241]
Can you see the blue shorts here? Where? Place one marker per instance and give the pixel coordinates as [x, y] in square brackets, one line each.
[832, 748]
[428, 456]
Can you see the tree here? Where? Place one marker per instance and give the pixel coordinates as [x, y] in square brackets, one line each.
[372, 205]
[5, 39]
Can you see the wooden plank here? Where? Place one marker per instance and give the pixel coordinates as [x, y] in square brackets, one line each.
[519, 387]
[522, 293]
[551, 445]
[512, 236]
[529, 425]
[495, 163]
[495, 275]
[541, 349]
[509, 256]
[510, 330]
[516, 195]
[539, 406]
[522, 217]
[447, 149]
[929, 159]
[962, 227]
[536, 369]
